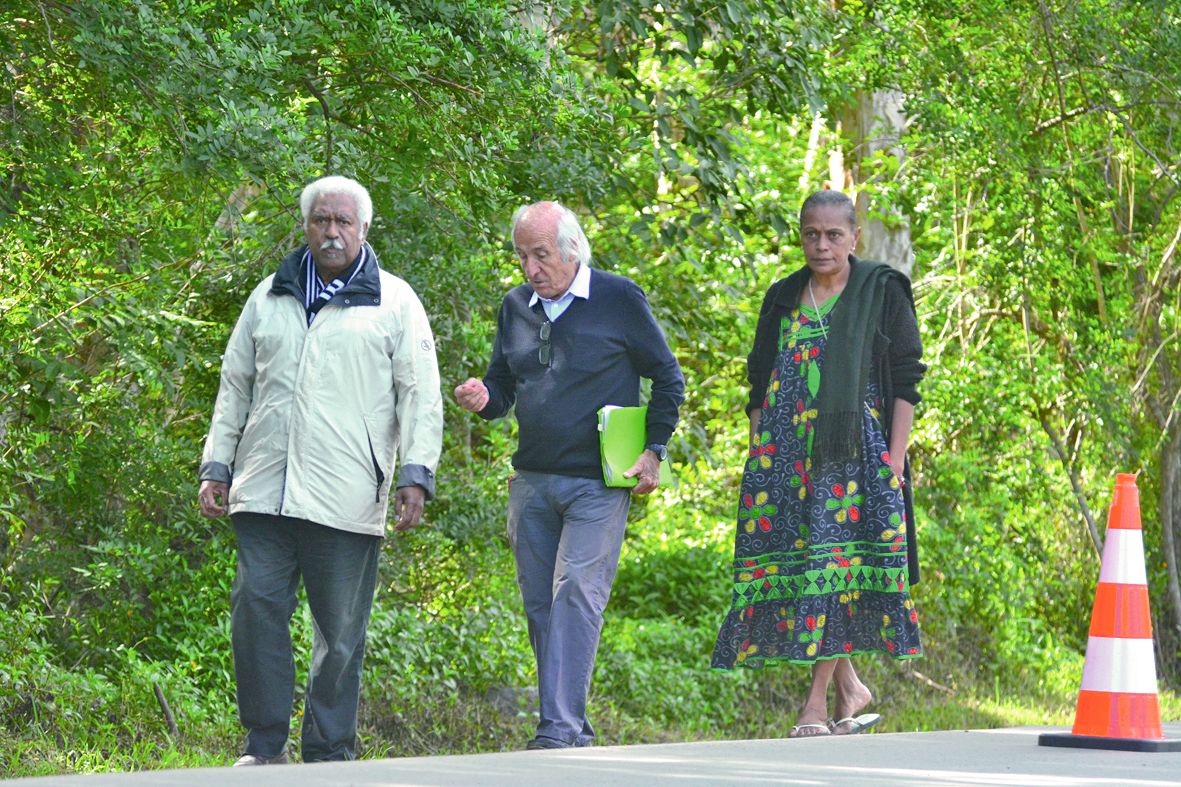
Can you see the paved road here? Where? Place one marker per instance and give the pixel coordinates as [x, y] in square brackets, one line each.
[990, 757]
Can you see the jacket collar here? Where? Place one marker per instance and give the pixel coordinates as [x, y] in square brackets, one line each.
[289, 279]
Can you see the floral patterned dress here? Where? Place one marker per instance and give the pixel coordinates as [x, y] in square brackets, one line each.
[819, 552]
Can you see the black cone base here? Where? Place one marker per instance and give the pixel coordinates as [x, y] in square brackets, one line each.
[1070, 740]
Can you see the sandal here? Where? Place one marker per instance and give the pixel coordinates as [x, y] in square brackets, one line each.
[795, 730]
[857, 724]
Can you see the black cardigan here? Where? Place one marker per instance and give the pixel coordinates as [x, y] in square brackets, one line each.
[897, 367]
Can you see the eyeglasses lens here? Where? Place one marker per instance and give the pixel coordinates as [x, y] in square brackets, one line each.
[545, 352]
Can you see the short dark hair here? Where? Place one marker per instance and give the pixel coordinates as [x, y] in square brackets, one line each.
[827, 197]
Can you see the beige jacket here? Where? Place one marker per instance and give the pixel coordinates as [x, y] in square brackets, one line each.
[308, 421]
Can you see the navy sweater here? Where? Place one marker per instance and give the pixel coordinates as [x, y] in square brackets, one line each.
[601, 347]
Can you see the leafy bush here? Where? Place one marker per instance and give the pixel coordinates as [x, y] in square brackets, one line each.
[152, 154]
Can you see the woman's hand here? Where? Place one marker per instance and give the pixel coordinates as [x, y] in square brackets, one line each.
[899, 437]
[898, 465]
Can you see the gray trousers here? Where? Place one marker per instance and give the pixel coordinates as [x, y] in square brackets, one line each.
[566, 534]
[339, 572]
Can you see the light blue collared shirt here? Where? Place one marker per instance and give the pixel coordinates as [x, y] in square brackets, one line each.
[579, 288]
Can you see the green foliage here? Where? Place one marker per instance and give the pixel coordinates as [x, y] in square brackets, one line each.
[1044, 206]
[152, 154]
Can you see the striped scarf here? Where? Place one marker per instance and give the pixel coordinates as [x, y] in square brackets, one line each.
[317, 295]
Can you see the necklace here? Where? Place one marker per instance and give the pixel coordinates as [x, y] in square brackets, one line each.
[819, 321]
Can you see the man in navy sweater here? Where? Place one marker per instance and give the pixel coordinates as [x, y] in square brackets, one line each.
[569, 341]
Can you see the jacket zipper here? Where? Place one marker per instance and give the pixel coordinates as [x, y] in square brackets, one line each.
[376, 467]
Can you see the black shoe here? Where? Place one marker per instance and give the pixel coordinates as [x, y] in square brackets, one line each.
[542, 742]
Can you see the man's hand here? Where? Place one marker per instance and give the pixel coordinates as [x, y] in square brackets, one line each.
[213, 497]
[472, 395]
[408, 501]
[647, 467]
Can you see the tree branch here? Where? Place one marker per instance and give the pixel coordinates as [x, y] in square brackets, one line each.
[1075, 484]
[109, 287]
[1165, 170]
[1078, 207]
[327, 123]
[448, 83]
[921, 678]
[1046, 125]
[169, 719]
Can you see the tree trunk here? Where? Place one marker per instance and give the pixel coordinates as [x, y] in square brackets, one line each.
[237, 204]
[1170, 513]
[873, 123]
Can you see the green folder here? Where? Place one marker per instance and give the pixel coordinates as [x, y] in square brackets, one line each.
[622, 437]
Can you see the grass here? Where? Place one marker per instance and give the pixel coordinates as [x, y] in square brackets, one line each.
[652, 685]
[45, 756]
[908, 702]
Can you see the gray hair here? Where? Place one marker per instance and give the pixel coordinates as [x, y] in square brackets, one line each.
[572, 240]
[336, 184]
[830, 198]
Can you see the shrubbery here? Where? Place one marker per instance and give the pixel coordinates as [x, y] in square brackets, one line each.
[151, 160]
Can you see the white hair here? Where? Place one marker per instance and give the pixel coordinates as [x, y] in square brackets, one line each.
[336, 184]
[572, 240]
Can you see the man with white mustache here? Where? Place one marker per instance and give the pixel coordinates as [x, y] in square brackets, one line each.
[329, 375]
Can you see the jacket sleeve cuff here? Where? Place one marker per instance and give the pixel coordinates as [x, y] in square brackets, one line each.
[907, 393]
[417, 475]
[215, 471]
[496, 404]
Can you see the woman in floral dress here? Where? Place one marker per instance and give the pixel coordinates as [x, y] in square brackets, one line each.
[824, 548]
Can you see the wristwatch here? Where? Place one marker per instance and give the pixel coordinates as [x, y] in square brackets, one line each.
[661, 451]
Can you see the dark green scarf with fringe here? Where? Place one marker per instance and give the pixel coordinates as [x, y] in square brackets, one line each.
[848, 362]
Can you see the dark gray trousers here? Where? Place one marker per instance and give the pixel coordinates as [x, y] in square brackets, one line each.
[339, 572]
[566, 534]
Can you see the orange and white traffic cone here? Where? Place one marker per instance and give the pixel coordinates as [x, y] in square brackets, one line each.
[1117, 703]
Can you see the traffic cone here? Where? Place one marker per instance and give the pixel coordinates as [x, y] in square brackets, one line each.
[1117, 703]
